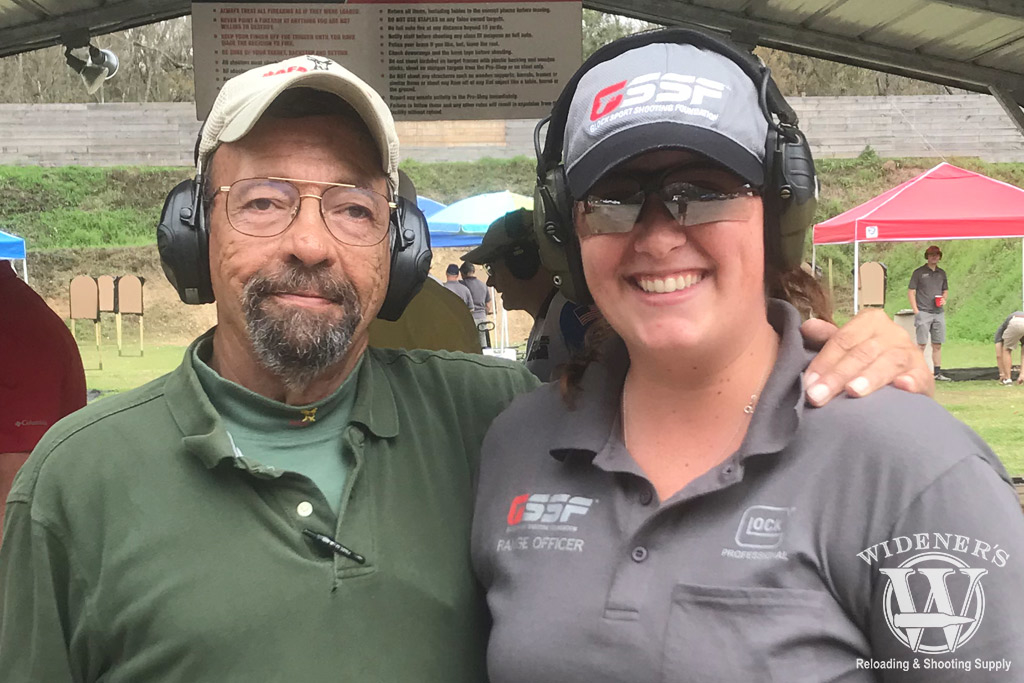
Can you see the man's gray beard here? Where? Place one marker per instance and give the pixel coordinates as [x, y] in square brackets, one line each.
[296, 344]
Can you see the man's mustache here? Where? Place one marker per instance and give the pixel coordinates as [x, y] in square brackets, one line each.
[300, 281]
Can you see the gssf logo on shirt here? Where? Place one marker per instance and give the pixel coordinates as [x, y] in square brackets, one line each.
[547, 508]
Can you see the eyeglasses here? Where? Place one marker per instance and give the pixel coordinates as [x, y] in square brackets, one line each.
[266, 207]
[489, 269]
[613, 205]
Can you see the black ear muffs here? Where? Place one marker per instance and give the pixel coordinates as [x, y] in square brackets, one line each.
[557, 244]
[523, 259]
[790, 197]
[523, 262]
[183, 240]
[790, 191]
[410, 258]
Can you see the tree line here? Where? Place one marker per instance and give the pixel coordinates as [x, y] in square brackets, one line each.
[156, 66]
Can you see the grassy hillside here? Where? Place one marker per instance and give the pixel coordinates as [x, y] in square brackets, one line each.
[75, 207]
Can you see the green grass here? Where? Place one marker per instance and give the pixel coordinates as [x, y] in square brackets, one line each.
[121, 373]
[450, 181]
[969, 354]
[995, 412]
[76, 206]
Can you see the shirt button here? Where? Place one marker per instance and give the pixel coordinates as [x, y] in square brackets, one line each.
[304, 509]
[639, 553]
[646, 496]
[728, 470]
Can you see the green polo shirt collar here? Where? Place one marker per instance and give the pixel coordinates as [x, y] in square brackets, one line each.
[374, 405]
[206, 437]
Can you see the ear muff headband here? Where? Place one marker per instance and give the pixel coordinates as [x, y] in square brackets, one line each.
[183, 240]
[790, 192]
[523, 260]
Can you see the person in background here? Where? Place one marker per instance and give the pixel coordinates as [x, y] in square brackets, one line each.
[671, 510]
[457, 288]
[1008, 337]
[927, 294]
[41, 375]
[509, 254]
[482, 304]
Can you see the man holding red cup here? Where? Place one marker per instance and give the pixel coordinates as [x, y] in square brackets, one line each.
[927, 293]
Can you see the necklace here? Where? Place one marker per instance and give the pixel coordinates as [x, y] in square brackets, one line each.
[748, 410]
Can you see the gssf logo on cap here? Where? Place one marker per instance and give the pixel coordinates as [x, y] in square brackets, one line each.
[662, 88]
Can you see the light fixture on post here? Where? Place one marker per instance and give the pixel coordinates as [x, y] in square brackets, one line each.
[100, 66]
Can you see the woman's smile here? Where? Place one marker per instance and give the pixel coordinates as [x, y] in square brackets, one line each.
[667, 284]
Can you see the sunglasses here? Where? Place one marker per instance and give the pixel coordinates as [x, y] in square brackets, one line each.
[613, 206]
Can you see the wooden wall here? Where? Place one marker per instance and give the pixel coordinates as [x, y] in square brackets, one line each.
[163, 134]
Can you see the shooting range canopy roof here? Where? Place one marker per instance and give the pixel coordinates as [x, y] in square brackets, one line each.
[973, 44]
[943, 203]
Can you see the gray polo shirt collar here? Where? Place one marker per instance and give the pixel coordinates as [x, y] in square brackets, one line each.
[592, 430]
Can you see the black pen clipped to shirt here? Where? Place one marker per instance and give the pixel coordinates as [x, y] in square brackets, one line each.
[334, 546]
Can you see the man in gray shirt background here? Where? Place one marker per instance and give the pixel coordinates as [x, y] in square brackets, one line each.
[927, 293]
[453, 285]
[482, 305]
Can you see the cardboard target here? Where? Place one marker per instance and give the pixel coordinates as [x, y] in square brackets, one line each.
[129, 294]
[108, 302]
[83, 295]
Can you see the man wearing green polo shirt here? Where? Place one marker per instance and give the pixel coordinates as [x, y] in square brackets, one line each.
[289, 504]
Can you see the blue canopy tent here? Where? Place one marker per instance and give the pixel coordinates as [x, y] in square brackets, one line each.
[464, 223]
[428, 206]
[12, 247]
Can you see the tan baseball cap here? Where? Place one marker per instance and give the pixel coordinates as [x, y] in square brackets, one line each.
[243, 99]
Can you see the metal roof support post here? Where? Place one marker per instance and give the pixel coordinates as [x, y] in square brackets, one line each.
[1010, 105]
[856, 273]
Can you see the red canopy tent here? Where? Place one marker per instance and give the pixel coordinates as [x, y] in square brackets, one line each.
[944, 203]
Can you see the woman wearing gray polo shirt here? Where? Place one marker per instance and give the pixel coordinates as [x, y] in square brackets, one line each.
[672, 511]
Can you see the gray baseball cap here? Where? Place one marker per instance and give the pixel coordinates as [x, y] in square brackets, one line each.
[664, 96]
